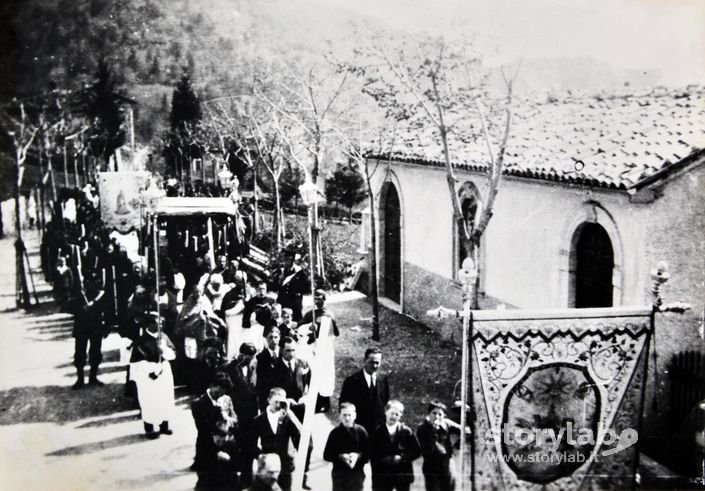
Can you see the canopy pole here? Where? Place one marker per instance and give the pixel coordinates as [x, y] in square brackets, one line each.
[211, 248]
[155, 234]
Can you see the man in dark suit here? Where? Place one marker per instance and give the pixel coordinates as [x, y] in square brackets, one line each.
[368, 390]
[89, 303]
[258, 305]
[294, 285]
[347, 449]
[266, 363]
[206, 413]
[242, 373]
[292, 374]
[272, 431]
[393, 449]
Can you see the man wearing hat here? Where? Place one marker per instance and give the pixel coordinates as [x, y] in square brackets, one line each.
[242, 372]
[293, 287]
[324, 347]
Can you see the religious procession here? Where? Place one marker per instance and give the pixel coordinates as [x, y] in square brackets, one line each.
[192, 315]
[332, 245]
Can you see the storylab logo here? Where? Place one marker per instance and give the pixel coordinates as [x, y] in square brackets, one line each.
[566, 437]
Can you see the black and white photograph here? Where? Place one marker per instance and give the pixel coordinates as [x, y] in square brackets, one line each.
[352, 245]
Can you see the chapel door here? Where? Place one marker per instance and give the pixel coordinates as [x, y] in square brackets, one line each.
[392, 245]
[594, 268]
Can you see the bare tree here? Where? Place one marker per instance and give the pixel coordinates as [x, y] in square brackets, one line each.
[436, 83]
[357, 144]
[22, 132]
[309, 106]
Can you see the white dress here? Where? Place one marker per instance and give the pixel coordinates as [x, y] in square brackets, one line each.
[325, 358]
[155, 395]
[254, 334]
[233, 319]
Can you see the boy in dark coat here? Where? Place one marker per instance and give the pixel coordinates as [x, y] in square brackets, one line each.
[393, 449]
[347, 448]
[434, 436]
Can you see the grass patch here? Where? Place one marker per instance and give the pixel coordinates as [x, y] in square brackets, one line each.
[420, 365]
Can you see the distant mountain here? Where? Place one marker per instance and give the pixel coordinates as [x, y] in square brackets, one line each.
[575, 73]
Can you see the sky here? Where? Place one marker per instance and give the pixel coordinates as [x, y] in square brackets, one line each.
[666, 35]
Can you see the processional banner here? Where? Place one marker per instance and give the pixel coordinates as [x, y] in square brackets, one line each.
[557, 397]
[120, 203]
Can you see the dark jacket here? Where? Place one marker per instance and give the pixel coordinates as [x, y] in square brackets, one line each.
[146, 347]
[295, 384]
[346, 440]
[383, 448]
[88, 318]
[369, 406]
[308, 318]
[436, 448]
[266, 375]
[205, 414]
[256, 305]
[291, 293]
[243, 393]
[278, 442]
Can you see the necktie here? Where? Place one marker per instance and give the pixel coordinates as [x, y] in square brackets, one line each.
[373, 388]
[292, 368]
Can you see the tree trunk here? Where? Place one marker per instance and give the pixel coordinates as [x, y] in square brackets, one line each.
[21, 280]
[277, 218]
[255, 213]
[42, 211]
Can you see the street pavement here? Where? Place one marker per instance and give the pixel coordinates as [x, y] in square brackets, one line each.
[54, 438]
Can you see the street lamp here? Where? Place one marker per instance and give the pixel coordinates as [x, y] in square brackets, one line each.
[224, 177]
[309, 194]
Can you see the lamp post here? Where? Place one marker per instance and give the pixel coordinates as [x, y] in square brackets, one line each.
[468, 278]
[224, 177]
[309, 194]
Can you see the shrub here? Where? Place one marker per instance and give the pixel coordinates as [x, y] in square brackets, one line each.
[335, 260]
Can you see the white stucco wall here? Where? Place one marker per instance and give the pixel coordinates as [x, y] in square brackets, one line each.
[527, 252]
[421, 194]
[527, 243]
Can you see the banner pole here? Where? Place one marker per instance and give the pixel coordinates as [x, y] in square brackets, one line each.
[464, 384]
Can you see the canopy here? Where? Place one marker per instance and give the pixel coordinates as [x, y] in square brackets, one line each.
[180, 206]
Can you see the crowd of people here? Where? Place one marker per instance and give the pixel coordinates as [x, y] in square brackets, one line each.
[246, 355]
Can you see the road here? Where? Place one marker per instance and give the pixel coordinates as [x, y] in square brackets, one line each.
[54, 438]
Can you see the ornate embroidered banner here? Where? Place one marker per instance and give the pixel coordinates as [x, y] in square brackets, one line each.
[124, 195]
[558, 397]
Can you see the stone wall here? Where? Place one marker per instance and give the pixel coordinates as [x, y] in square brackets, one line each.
[675, 232]
[423, 291]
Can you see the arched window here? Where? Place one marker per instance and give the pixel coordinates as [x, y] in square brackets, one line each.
[470, 206]
[592, 250]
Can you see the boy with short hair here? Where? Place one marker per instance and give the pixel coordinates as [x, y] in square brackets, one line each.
[393, 449]
[434, 436]
[347, 448]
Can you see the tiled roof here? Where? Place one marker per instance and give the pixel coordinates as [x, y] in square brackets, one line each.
[607, 140]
